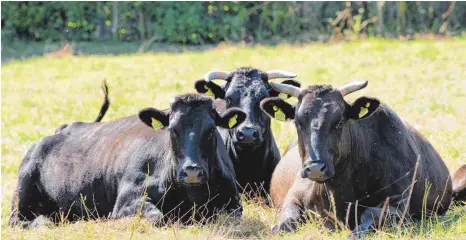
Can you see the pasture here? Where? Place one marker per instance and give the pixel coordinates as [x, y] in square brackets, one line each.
[424, 81]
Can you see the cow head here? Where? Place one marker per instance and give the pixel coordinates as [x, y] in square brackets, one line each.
[191, 122]
[245, 88]
[319, 116]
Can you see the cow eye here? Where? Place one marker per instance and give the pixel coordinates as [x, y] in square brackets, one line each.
[174, 133]
[340, 124]
[212, 133]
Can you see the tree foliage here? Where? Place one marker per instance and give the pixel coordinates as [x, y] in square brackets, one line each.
[212, 22]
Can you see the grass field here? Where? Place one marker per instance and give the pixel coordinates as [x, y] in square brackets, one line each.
[424, 81]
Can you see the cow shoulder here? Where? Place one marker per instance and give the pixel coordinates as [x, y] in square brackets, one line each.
[225, 164]
[284, 176]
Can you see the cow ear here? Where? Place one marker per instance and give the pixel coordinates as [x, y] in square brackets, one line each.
[230, 118]
[209, 88]
[363, 107]
[153, 118]
[277, 108]
[274, 93]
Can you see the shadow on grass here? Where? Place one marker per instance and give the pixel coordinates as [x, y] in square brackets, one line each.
[22, 50]
[245, 228]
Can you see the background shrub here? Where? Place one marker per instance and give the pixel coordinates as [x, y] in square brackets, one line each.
[213, 22]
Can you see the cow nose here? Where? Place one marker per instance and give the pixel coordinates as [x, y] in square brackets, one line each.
[247, 135]
[315, 171]
[192, 174]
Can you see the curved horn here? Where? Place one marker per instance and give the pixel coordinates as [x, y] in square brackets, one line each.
[215, 75]
[352, 87]
[285, 88]
[280, 74]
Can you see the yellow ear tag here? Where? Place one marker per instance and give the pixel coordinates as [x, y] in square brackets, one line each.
[363, 112]
[283, 96]
[232, 121]
[279, 115]
[156, 124]
[209, 92]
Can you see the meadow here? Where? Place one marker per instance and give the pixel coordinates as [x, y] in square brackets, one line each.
[424, 81]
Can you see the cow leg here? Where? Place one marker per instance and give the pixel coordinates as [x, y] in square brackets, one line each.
[228, 193]
[27, 201]
[130, 202]
[370, 217]
[290, 216]
[303, 195]
[39, 221]
[24, 207]
[147, 209]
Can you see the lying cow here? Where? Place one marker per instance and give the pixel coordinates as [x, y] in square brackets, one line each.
[251, 146]
[361, 154]
[459, 185]
[122, 167]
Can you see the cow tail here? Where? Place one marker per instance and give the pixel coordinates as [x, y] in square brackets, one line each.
[106, 102]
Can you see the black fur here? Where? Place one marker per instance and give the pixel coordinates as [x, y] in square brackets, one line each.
[254, 163]
[365, 160]
[117, 168]
[202, 86]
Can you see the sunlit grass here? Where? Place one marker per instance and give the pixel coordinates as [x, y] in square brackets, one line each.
[423, 81]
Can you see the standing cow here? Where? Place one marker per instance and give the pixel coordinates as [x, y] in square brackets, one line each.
[162, 164]
[359, 154]
[251, 146]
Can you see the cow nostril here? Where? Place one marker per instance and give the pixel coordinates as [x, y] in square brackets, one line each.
[324, 166]
[305, 172]
[240, 135]
[184, 174]
[200, 174]
[255, 134]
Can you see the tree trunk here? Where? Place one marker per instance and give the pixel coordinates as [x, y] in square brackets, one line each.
[115, 18]
[142, 29]
[402, 16]
[380, 24]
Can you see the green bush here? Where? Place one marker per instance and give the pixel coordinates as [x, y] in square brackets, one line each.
[213, 22]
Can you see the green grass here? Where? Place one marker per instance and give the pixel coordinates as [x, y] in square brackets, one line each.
[424, 81]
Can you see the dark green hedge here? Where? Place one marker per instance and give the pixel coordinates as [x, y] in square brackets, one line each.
[212, 22]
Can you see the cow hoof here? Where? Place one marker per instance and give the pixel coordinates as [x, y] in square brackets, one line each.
[286, 226]
[358, 233]
[40, 221]
[155, 218]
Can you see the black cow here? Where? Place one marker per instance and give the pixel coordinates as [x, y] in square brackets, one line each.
[251, 146]
[361, 154]
[117, 168]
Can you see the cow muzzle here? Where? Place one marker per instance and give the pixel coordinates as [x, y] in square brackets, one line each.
[192, 174]
[316, 171]
[248, 136]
